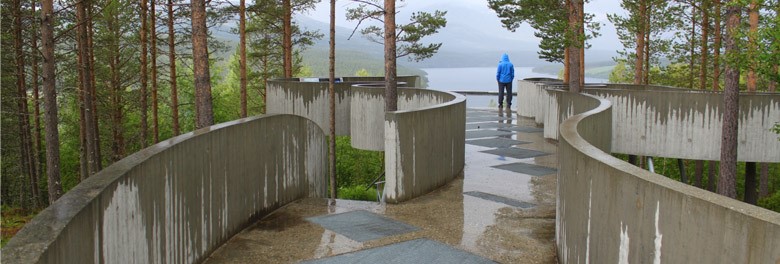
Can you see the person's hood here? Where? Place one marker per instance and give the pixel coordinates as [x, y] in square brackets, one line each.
[505, 58]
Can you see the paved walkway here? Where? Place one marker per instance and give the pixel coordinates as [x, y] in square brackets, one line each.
[501, 210]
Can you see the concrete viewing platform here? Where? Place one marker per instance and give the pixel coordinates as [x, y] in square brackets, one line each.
[502, 210]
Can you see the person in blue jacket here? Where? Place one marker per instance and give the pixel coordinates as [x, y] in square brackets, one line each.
[504, 75]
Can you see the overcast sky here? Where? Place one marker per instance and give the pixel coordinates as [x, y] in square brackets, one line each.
[480, 13]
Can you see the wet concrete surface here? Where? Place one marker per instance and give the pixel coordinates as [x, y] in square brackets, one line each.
[483, 225]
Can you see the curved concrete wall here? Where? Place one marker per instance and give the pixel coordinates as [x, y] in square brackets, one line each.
[609, 211]
[180, 199]
[688, 124]
[368, 108]
[308, 97]
[645, 117]
[424, 146]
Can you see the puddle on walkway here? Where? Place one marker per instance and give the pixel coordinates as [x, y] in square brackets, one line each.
[480, 226]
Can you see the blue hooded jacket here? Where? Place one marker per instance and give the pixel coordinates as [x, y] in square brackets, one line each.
[506, 71]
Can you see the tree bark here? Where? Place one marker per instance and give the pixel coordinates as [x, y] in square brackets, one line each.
[705, 26]
[391, 86]
[640, 43]
[50, 102]
[117, 144]
[728, 152]
[712, 176]
[751, 193]
[287, 38]
[27, 162]
[242, 58]
[144, 77]
[38, 142]
[332, 106]
[172, 61]
[93, 160]
[574, 46]
[153, 44]
[716, 48]
[752, 45]
[93, 85]
[692, 40]
[200, 56]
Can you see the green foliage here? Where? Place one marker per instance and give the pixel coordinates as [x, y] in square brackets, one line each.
[776, 129]
[669, 168]
[13, 219]
[549, 19]
[409, 35]
[357, 193]
[771, 202]
[355, 167]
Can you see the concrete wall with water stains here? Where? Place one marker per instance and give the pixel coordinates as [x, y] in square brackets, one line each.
[178, 200]
[424, 143]
[308, 97]
[688, 124]
[667, 122]
[610, 211]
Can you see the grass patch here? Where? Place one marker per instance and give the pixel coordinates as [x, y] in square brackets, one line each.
[13, 219]
[357, 193]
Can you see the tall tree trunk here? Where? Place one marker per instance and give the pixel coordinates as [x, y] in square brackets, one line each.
[287, 38]
[581, 26]
[144, 77]
[705, 24]
[25, 145]
[728, 151]
[93, 161]
[752, 45]
[50, 102]
[117, 144]
[38, 142]
[574, 46]
[648, 14]
[711, 173]
[242, 51]
[172, 62]
[716, 48]
[640, 43]
[391, 86]
[751, 193]
[200, 57]
[153, 44]
[332, 94]
[83, 150]
[692, 40]
[93, 85]
[763, 185]
[566, 68]
[712, 176]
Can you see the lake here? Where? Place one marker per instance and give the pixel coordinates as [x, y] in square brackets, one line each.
[480, 79]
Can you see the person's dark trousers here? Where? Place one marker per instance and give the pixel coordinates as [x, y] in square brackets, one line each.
[508, 87]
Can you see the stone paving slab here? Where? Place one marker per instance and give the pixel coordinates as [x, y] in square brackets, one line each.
[526, 168]
[486, 133]
[523, 129]
[517, 153]
[501, 199]
[362, 225]
[413, 251]
[496, 142]
[486, 125]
